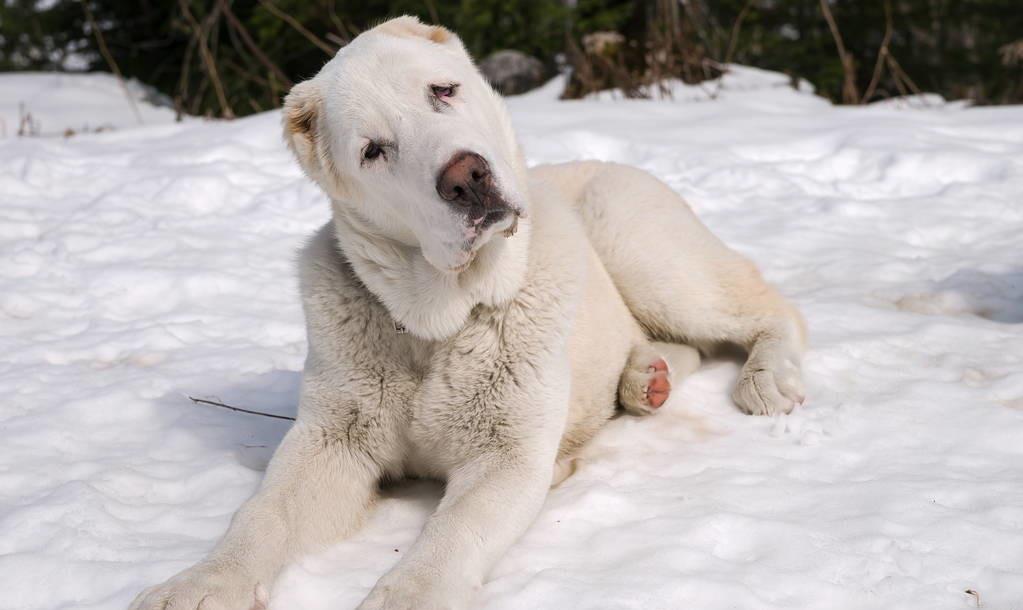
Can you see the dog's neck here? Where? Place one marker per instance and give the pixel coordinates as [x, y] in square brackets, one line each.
[429, 303]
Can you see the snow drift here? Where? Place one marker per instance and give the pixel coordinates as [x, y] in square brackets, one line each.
[145, 264]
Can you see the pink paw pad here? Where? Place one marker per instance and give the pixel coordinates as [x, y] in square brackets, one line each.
[658, 388]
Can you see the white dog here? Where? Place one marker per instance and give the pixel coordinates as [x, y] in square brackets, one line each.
[473, 321]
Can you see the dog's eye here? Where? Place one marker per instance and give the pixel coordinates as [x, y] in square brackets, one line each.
[372, 151]
[444, 92]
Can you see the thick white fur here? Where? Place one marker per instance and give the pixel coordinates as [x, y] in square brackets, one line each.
[515, 344]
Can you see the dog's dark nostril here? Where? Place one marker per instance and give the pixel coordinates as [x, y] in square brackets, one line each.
[466, 181]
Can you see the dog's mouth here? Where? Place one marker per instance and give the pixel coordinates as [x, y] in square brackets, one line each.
[504, 220]
[489, 208]
[498, 221]
[492, 217]
[479, 232]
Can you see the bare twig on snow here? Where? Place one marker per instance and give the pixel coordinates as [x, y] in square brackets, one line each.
[213, 403]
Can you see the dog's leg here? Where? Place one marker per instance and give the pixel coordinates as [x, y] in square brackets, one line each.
[316, 489]
[651, 371]
[488, 504]
[682, 283]
[564, 468]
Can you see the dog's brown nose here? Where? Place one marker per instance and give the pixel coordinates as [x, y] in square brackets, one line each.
[466, 181]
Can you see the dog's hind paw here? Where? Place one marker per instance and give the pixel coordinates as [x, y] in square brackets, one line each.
[645, 384]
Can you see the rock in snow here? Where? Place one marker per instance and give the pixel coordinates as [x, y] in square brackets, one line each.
[145, 264]
[512, 72]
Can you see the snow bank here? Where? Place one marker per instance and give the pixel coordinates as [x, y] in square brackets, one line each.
[141, 266]
[51, 104]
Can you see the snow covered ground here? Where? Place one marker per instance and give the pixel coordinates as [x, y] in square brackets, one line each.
[145, 264]
[51, 104]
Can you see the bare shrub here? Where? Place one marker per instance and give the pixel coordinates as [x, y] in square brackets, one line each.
[663, 48]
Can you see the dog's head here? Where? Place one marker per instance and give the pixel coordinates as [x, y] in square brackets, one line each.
[402, 130]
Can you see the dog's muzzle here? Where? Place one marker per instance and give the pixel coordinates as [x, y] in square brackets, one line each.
[467, 184]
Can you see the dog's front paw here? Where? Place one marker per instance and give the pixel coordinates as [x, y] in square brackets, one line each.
[205, 587]
[769, 388]
[412, 593]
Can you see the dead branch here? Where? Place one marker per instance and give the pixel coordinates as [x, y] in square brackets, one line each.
[200, 93]
[345, 33]
[431, 6]
[902, 80]
[850, 94]
[213, 403]
[200, 32]
[211, 31]
[733, 41]
[181, 99]
[301, 29]
[243, 33]
[733, 38]
[109, 58]
[332, 37]
[248, 75]
[882, 54]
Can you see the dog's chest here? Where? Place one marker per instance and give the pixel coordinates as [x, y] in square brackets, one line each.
[482, 390]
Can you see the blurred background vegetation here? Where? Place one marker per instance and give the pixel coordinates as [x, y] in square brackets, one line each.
[234, 57]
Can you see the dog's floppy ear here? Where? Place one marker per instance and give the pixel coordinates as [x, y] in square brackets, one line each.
[301, 111]
[412, 27]
[303, 108]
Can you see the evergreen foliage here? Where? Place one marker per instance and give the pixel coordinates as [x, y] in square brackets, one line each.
[234, 57]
